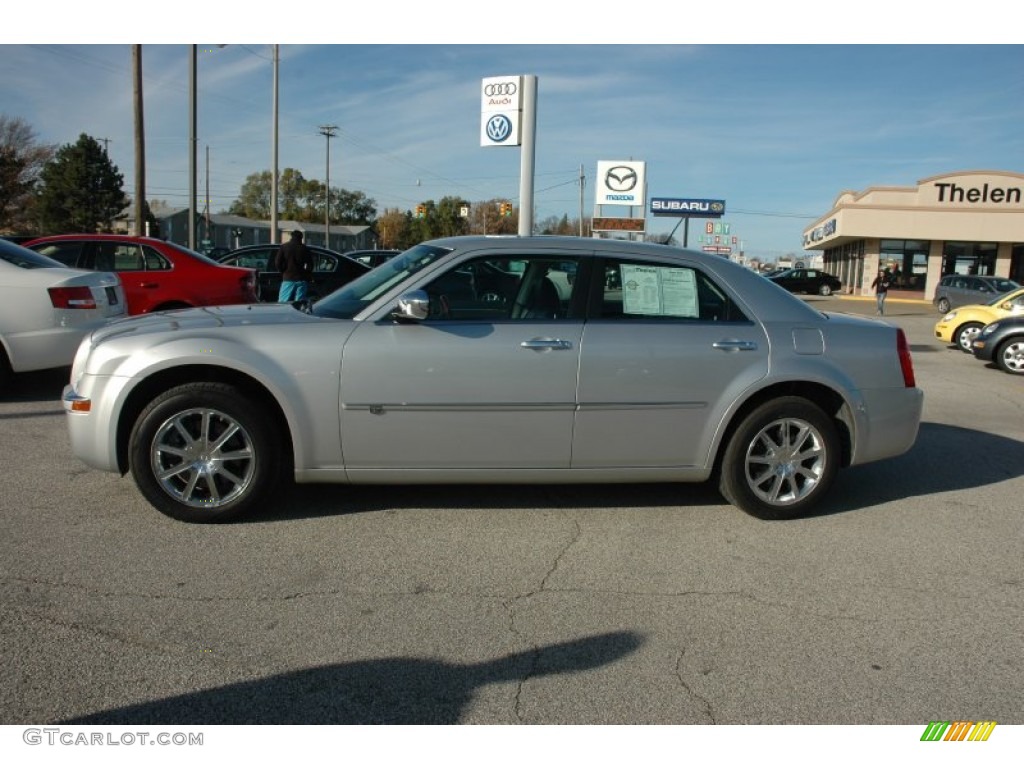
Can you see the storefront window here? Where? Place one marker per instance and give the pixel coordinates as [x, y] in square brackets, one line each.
[969, 259]
[1017, 263]
[907, 262]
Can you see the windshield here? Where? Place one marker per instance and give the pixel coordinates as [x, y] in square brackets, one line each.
[194, 254]
[1003, 297]
[24, 258]
[349, 300]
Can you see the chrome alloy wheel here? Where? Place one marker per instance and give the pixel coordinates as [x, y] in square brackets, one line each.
[202, 458]
[1011, 357]
[785, 461]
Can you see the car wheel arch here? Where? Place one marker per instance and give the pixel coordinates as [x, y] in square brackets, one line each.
[827, 399]
[160, 381]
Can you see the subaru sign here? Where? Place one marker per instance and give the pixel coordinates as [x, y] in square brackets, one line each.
[675, 206]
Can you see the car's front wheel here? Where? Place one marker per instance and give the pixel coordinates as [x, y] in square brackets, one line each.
[825, 289]
[965, 335]
[1010, 355]
[203, 453]
[781, 459]
[943, 306]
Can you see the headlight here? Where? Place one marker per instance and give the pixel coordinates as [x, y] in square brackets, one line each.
[948, 316]
[989, 329]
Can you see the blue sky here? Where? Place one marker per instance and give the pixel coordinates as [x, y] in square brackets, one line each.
[777, 131]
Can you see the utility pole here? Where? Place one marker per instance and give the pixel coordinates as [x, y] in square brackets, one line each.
[583, 181]
[140, 143]
[192, 149]
[329, 132]
[273, 170]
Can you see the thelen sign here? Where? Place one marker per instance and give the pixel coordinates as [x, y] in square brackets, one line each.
[676, 206]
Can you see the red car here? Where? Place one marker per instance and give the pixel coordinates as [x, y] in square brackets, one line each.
[156, 274]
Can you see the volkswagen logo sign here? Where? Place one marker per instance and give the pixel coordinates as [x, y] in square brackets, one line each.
[621, 178]
[500, 89]
[499, 128]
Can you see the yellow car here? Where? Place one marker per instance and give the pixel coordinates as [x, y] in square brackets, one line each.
[960, 326]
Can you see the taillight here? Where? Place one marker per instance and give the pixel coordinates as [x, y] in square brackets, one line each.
[78, 297]
[906, 364]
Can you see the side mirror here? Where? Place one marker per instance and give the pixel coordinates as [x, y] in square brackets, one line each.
[412, 306]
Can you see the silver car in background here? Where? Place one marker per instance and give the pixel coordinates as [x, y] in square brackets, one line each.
[46, 309]
[499, 360]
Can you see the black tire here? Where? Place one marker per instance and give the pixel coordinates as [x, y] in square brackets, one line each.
[6, 374]
[943, 306]
[204, 452]
[1010, 355]
[964, 335]
[825, 289]
[781, 460]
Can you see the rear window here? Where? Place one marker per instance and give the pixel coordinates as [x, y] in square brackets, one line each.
[24, 258]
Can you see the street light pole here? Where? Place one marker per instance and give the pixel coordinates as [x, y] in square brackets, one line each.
[192, 150]
[329, 132]
[273, 141]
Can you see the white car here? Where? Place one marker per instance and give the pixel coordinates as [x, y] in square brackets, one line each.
[46, 309]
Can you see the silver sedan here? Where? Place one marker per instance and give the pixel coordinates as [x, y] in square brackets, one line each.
[499, 360]
[46, 309]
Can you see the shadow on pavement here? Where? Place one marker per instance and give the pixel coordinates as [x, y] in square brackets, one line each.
[379, 691]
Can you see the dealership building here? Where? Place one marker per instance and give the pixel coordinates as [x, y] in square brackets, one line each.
[970, 222]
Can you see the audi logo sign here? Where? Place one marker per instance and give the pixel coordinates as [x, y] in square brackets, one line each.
[501, 111]
[621, 183]
[501, 89]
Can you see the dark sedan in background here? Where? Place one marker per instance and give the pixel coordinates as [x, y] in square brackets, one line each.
[1002, 343]
[807, 281]
[331, 269]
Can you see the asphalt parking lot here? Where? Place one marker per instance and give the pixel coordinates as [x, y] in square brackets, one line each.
[900, 602]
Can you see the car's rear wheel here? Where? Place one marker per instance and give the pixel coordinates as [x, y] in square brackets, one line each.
[965, 335]
[6, 374]
[825, 289]
[203, 453]
[1010, 355]
[781, 459]
[943, 306]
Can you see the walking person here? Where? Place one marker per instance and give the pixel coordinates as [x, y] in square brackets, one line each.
[881, 286]
[295, 263]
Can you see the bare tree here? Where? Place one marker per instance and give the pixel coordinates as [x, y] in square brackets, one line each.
[21, 161]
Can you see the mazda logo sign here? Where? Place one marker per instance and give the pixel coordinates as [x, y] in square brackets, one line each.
[621, 178]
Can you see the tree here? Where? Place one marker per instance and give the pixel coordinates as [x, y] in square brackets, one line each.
[392, 226]
[81, 189]
[301, 199]
[21, 162]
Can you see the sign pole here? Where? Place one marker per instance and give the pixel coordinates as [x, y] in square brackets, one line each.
[527, 158]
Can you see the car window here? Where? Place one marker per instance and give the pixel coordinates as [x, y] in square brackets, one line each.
[26, 258]
[154, 260]
[526, 288]
[350, 299]
[128, 258]
[640, 291]
[67, 253]
[324, 262]
[259, 259]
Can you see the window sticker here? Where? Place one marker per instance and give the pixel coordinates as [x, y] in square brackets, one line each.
[664, 291]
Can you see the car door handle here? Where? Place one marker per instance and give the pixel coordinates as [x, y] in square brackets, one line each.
[735, 346]
[541, 345]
